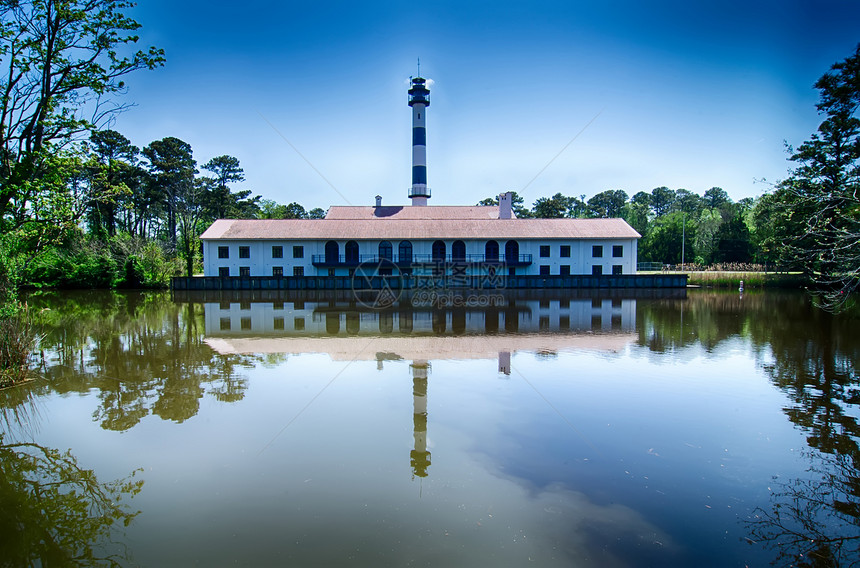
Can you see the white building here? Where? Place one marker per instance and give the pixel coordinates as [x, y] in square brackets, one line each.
[388, 240]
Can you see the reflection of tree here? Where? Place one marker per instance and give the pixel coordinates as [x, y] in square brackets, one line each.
[814, 522]
[55, 513]
[811, 356]
[142, 353]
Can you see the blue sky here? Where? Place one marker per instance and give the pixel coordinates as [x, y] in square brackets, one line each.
[682, 94]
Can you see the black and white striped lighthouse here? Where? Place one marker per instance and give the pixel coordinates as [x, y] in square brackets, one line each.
[419, 100]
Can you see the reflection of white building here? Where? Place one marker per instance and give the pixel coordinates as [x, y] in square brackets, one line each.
[304, 318]
[347, 332]
[394, 240]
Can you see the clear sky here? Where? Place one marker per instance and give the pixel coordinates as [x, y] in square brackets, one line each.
[682, 94]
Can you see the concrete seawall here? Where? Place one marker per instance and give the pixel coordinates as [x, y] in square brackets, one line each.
[532, 282]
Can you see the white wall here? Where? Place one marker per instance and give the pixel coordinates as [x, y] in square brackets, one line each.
[261, 261]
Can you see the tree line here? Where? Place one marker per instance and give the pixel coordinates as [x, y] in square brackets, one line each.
[676, 225]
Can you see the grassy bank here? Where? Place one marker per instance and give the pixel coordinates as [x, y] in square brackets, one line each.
[730, 279]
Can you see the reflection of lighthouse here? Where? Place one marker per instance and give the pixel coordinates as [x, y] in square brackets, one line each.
[419, 457]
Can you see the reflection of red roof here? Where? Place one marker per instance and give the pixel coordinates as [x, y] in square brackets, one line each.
[409, 212]
[419, 228]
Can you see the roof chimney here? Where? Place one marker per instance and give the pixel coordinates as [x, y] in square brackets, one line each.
[505, 205]
[379, 201]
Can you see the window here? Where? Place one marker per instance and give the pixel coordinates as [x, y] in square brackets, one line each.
[405, 252]
[223, 252]
[331, 253]
[597, 251]
[277, 252]
[299, 324]
[278, 323]
[351, 251]
[298, 271]
[512, 252]
[544, 250]
[245, 324]
[224, 304]
[543, 323]
[331, 272]
[544, 269]
[438, 251]
[244, 252]
[277, 271]
[279, 305]
[458, 250]
[245, 271]
[224, 271]
[245, 305]
[298, 305]
[596, 270]
[616, 269]
[617, 251]
[544, 304]
[491, 251]
[298, 252]
[565, 251]
[386, 251]
[565, 269]
[225, 324]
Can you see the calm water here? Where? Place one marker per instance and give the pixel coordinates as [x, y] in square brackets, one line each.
[524, 430]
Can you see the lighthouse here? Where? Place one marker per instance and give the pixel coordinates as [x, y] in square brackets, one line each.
[419, 100]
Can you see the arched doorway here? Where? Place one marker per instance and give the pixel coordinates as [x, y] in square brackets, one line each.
[512, 252]
[386, 251]
[491, 251]
[458, 251]
[439, 251]
[404, 252]
[332, 251]
[351, 251]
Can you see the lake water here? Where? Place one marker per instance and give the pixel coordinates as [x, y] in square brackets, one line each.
[675, 429]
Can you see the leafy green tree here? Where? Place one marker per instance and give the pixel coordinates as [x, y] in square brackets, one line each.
[687, 202]
[172, 169]
[316, 213]
[555, 207]
[607, 204]
[642, 198]
[221, 203]
[665, 238]
[707, 228]
[636, 215]
[716, 198]
[662, 199]
[821, 230]
[114, 158]
[62, 61]
[733, 241]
